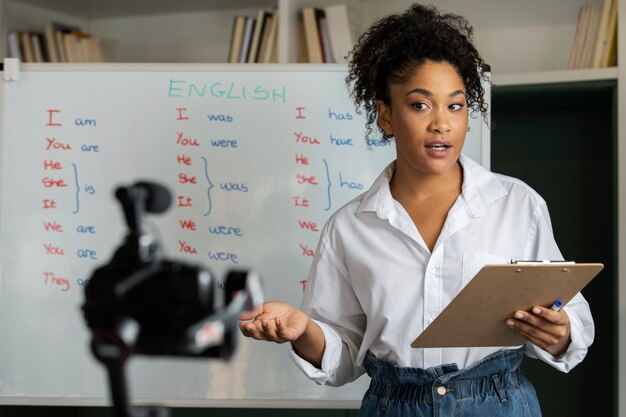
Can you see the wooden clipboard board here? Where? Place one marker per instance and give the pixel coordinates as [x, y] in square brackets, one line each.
[476, 316]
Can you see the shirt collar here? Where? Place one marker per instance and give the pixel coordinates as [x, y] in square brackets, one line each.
[481, 187]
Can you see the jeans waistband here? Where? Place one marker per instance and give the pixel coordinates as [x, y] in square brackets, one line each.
[492, 374]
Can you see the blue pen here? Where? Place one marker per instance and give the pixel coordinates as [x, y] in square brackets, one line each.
[557, 305]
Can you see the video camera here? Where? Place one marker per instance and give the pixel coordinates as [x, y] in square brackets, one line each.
[142, 303]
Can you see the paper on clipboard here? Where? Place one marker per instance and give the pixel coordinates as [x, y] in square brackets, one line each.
[476, 316]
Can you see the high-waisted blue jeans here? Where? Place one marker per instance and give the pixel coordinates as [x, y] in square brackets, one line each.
[493, 387]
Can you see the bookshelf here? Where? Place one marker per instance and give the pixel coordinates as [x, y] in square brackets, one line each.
[527, 44]
[516, 37]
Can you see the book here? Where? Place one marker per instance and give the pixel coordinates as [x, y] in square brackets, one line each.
[312, 35]
[609, 57]
[303, 54]
[322, 25]
[255, 43]
[270, 48]
[239, 23]
[51, 43]
[36, 47]
[71, 47]
[14, 45]
[583, 55]
[343, 31]
[592, 35]
[26, 47]
[60, 30]
[264, 38]
[247, 39]
[602, 39]
[578, 39]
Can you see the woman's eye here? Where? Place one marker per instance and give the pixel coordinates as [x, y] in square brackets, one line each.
[456, 106]
[419, 106]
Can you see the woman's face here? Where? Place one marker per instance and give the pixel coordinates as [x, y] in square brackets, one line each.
[428, 118]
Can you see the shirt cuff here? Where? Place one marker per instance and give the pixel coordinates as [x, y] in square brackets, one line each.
[574, 354]
[330, 360]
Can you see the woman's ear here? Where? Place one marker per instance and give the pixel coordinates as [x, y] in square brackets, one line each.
[384, 118]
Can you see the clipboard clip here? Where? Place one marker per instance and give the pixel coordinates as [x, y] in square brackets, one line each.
[537, 262]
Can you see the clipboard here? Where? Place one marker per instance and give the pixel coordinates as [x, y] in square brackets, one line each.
[476, 316]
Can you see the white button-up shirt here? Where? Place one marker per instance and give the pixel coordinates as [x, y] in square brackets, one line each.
[375, 286]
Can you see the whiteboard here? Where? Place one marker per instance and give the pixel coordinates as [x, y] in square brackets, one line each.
[257, 158]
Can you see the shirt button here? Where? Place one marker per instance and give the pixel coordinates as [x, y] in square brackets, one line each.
[441, 390]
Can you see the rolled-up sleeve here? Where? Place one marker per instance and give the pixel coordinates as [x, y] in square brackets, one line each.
[543, 246]
[331, 302]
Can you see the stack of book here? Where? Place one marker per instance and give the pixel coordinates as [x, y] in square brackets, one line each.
[60, 43]
[595, 40]
[326, 34]
[255, 39]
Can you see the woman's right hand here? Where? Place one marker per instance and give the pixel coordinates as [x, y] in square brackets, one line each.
[274, 321]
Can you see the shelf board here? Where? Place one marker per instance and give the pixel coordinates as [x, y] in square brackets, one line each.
[97, 9]
[562, 76]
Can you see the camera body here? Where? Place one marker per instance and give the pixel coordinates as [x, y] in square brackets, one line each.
[142, 303]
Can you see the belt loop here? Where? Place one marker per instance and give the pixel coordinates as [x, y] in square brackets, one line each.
[497, 383]
[384, 397]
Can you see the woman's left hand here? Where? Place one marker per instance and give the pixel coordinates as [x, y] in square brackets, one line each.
[544, 327]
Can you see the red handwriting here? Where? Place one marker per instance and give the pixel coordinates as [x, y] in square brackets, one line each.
[53, 250]
[54, 144]
[306, 251]
[52, 165]
[185, 248]
[300, 115]
[187, 224]
[303, 179]
[184, 201]
[49, 203]
[50, 117]
[312, 226]
[183, 141]
[300, 201]
[301, 159]
[51, 182]
[184, 179]
[53, 227]
[183, 159]
[50, 278]
[181, 113]
[300, 138]
[303, 283]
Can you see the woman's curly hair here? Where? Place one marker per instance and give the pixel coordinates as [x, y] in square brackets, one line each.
[395, 46]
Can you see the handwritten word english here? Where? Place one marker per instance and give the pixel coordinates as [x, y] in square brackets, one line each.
[229, 91]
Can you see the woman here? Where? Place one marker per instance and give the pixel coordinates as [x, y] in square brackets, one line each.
[390, 261]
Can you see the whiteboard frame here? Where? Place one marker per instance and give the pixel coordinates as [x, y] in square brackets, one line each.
[199, 67]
